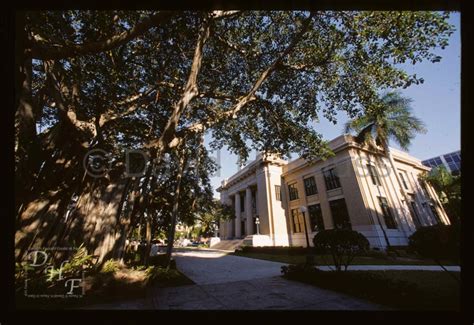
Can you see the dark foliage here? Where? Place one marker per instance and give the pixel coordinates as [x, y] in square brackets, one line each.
[342, 244]
[160, 260]
[276, 250]
[439, 242]
[406, 290]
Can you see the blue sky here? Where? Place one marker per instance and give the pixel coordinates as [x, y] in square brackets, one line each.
[437, 102]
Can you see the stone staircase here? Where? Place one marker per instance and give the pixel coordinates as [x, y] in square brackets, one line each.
[229, 244]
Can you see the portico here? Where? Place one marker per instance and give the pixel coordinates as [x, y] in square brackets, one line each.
[247, 193]
[245, 209]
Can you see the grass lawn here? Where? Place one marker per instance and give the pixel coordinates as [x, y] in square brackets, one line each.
[406, 290]
[327, 260]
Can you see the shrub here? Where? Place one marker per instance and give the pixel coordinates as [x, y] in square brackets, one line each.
[437, 242]
[157, 273]
[21, 270]
[79, 262]
[342, 244]
[297, 269]
[160, 260]
[110, 266]
[139, 268]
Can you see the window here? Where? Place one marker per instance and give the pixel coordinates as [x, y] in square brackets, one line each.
[425, 189]
[316, 217]
[310, 186]
[242, 202]
[331, 179]
[373, 175]
[435, 213]
[387, 213]
[340, 215]
[293, 191]
[297, 219]
[454, 167]
[278, 192]
[454, 162]
[414, 212]
[403, 180]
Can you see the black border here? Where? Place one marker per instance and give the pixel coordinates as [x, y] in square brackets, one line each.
[10, 315]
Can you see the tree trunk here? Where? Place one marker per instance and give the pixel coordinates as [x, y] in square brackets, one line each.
[44, 210]
[174, 215]
[125, 219]
[149, 223]
[96, 218]
[148, 239]
[27, 149]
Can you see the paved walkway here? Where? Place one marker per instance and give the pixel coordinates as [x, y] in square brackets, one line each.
[240, 283]
[207, 267]
[395, 268]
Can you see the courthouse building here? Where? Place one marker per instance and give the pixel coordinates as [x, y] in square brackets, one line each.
[356, 189]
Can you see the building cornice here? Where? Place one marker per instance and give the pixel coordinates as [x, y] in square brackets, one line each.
[250, 169]
[349, 143]
[338, 144]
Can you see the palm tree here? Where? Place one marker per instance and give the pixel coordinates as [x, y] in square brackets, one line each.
[390, 118]
[448, 188]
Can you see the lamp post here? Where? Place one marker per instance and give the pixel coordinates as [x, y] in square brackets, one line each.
[303, 211]
[257, 222]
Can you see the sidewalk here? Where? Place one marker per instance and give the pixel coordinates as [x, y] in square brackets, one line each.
[395, 268]
[224, 281]
[229, 282]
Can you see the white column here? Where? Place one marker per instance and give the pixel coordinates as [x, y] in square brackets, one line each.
[262, 202]
[229, 229]
[248, 210]
[222, 230]
[238, 227]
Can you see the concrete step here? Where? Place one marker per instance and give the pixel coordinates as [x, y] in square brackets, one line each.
[229, 244]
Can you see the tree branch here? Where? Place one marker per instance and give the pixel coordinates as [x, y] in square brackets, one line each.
[250, 96]
[43, 51]
[67, 112]
[190, 91]
[233, 46]
[220, 14]
[216, 95]
[265, 74]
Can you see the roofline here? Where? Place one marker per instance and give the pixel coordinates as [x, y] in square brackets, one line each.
[250, 169]
[348, 142]
[397, 155]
